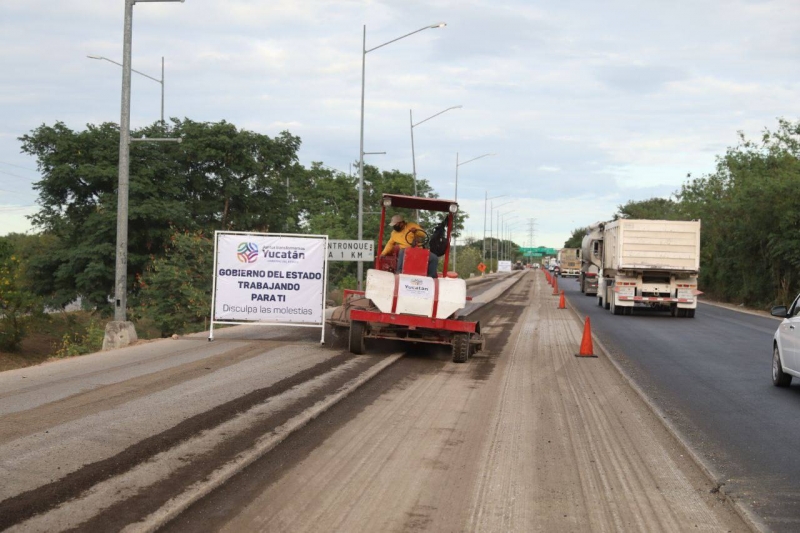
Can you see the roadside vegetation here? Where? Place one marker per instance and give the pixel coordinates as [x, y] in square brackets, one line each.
[219, 178]
[750, 212]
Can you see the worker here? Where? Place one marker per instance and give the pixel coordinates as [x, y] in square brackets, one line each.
[399, 237]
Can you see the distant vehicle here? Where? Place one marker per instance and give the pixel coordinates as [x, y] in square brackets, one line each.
[557, 270]
[786, 345]
[569, 259]
[591, 259]
[650, 263]
[517, 266]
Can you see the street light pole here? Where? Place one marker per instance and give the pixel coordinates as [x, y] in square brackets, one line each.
[361, 154]
[121, 266]
[491, 228]
[455, 245]
[413, 156]
[161, 81]
[485, 202]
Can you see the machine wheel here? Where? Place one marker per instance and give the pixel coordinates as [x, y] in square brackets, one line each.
[673, 310]
[779, 377]
[460, 348]
[357, 331]
[681, 313]
[628, 311]
[616, 309]
[690, 313]
[600, 301]
[583, 288]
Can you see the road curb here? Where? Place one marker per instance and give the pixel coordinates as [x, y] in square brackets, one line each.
[744, 511]
[738, 310]
[180, 503]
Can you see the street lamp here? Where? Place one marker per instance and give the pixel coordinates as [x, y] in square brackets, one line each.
[413, 158]
[361, 154]
[485, 202]
[121, 275]
[500, 233]
[161, 81]
[492, 207]
[455, 245]
[503, 245]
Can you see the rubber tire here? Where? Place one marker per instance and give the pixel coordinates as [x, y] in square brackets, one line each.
[690, 313]
[628, 311]
[779, 377]
[673, 310]
[682, 313]
[460, 348]
[600, 301]
[617, 310]
[357, 343]
[583, 287]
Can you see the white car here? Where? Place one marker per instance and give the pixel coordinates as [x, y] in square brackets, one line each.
[786, 345]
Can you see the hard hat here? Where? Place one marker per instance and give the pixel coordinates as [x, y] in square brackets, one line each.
[396, 220]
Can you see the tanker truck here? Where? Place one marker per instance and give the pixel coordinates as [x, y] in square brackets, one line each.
[649, 263]
[591, 259]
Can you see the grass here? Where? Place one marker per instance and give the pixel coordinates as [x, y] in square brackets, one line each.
[60, 335]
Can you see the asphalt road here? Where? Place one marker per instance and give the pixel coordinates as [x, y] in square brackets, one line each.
[711, 376]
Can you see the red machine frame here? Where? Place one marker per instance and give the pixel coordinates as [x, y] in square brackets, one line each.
[463, 335]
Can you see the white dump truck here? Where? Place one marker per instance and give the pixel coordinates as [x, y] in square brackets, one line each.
[649, 263]
[569, 259]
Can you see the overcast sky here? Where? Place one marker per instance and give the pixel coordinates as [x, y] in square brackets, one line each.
[587, 104]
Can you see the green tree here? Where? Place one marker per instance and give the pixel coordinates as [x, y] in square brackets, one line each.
[576, 239]
[175, 288]
[17, 301]
[651, 209]
[220, 177]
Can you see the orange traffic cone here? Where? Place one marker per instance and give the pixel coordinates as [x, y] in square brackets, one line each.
[587, 350]
[555, 286]
[562, 304]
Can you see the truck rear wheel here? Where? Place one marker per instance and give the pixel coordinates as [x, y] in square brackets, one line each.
[357, 333]
[690, 313]
[460, 348]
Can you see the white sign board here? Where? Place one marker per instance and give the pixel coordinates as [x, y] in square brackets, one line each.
[351, 250]
[504, 266]
[269, 279]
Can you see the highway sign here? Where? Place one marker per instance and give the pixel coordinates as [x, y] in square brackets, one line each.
[351, 250]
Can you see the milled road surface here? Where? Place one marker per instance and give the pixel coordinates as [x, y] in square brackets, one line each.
[711, 376]
[101, 441]
[524, 437]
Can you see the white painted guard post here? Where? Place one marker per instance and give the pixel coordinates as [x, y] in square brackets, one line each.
[269, 279]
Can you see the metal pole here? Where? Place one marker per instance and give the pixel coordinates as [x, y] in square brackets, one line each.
[121, 271]
[455, 239]
[413, 158]
[162, 90]
[485, 201]
[361, 160]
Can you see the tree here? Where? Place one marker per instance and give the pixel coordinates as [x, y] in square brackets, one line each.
[576, 239]
[17, 301]
[220, 177]
[651, 209]
[175, 289]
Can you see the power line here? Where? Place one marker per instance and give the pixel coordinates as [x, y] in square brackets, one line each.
[17, 176]
[18, 166]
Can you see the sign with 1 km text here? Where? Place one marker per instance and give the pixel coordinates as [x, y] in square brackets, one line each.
[351, 250]
[269, 279]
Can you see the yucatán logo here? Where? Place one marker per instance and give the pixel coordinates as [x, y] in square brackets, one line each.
[247, 252]
[417, 286]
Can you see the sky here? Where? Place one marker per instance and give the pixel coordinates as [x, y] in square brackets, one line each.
[586, 104]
